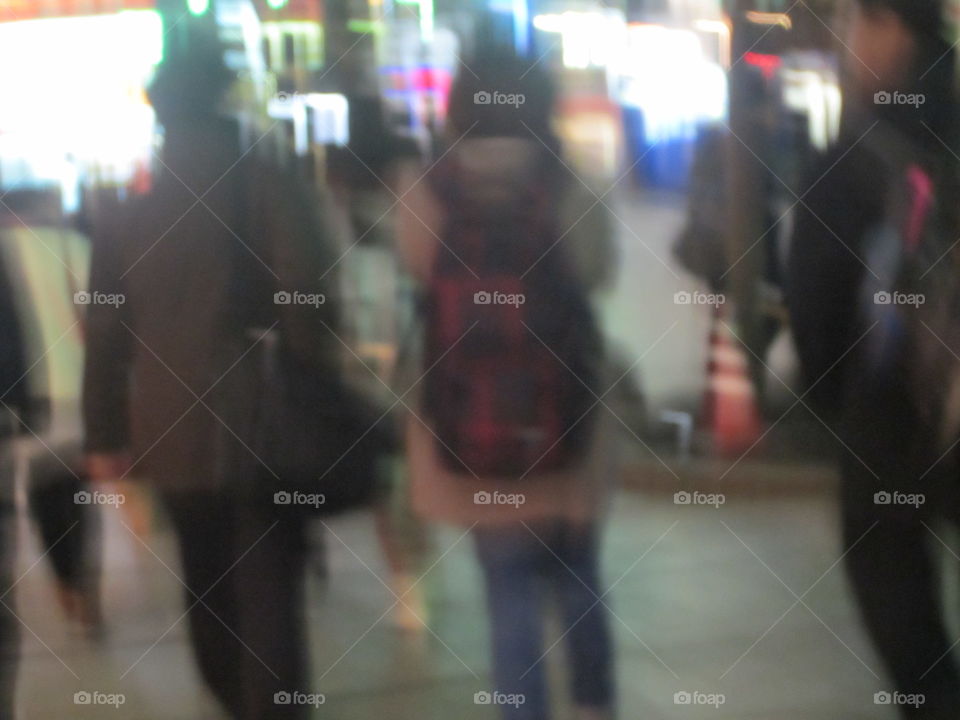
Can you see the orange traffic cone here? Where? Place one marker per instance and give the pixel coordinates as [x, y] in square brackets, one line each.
[730, 413]
[142, 181]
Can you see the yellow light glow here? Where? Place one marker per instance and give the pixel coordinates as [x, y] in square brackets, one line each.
[91, 107]
[768, 18]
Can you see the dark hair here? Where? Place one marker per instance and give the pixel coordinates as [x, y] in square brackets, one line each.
[926, 18]
[480, 98]
[933, 74]
[190, 82]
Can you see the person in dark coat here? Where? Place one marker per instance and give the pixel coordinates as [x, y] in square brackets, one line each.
[897, 46]
[13, 398]
[172, 373]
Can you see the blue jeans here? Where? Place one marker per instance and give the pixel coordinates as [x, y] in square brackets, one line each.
[523, 567]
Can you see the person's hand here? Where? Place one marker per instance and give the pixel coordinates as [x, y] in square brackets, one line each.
[103, 467]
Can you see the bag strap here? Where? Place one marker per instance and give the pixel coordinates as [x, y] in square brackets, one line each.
[921, 202]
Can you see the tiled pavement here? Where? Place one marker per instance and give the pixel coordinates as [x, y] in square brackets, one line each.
[705, 600]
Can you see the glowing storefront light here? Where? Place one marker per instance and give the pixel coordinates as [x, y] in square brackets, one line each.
[590, 39]
[427, 16]
[817, 96]
[78, 94]
[671, 80]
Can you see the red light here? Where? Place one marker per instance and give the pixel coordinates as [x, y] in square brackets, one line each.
[768, 64]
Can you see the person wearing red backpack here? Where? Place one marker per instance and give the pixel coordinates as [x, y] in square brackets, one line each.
[505, 436]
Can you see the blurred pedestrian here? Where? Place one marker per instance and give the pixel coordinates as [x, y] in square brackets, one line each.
[881, 217]
[47, 300]
[362, 176]
[173, 371]
[507, 244]
[13, 398]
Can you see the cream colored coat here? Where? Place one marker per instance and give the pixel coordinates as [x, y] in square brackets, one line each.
[496, 166]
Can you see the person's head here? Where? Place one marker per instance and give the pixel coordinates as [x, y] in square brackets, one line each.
[190, 84]
[892, 43]
[187, 93]
[502, 95]
[901, 64]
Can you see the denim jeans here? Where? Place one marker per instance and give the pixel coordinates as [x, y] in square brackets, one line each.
[524, 566]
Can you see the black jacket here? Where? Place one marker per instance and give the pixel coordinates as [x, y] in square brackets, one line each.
[858, 384]
[172, 371]
[826, 266]
[13, 388]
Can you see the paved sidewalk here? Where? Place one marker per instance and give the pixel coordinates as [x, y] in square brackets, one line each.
[706, 600]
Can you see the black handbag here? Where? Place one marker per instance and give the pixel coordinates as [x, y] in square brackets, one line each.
[320, 441]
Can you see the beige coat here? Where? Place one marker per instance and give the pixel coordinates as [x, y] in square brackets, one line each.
[171, 375]
[496, 167]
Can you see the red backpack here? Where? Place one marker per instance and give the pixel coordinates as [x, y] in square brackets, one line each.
[512, 347]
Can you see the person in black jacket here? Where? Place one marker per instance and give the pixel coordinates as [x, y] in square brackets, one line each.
[896, 46]
[12, 403]
[171, 377]
[13, 388]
